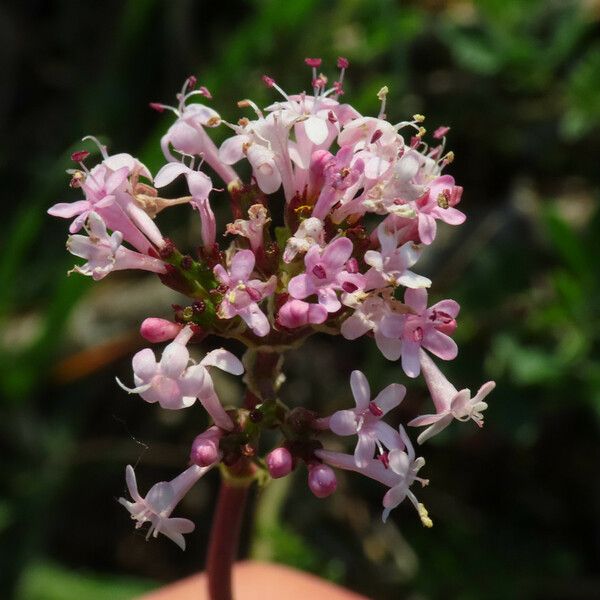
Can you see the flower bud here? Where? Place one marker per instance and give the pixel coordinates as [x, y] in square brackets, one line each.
[322, 481]
[157, 330]
[205, 447]
[279, 462]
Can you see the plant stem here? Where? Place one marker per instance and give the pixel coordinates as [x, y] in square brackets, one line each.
[224, 538]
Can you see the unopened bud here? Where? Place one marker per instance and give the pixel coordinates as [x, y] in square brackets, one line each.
[322, 481]
[279, 462]
[205, 447]
[157, 330]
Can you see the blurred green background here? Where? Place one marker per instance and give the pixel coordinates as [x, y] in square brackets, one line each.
[516, 506]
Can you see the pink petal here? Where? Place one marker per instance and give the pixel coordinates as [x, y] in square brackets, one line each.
[390, 397]
[328, 298]
[169, 172]
[224, 360]
[300, 286]
[132, 484]
[231, 150]
[416, 299]
[337, 252]
[392, 326]
[215, 409]
[144, 364]
[200, 184]
[451, 215]
[255, 319]
[67, 210]
[364, 451]
[388, 436]
[174, 360]
[241, 265]
[343, 422]
[360, 390]
[410, 358]
[427, 228]
[355, 326]
[440, 344]
[434, 429]
[450, 307]
[391, 348]
[316, 130]
[441, 390]
[427, 419]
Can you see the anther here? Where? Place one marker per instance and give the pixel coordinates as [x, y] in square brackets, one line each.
[319, 272]
[375, 410]
[80, 155]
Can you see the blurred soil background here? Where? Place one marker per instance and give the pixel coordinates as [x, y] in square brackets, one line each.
[516, 506]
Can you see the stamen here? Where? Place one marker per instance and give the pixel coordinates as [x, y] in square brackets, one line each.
[79, 156]
[349, 287]
[245, 103]
[424, 515]
[441, 132]
[101, 147]
[375, 410]
[382, 95]
[268, 81]
[384, 458]
[313, 62]
[319, 272]
[205, 92]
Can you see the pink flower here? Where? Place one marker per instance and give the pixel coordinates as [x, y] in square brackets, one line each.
[423, 327]
[325, 274]
[309, 233]
[243, 294]
[253, 227]
[175, 384]
[365, 419]
[200, 187]
[368, 316]
[391, 265]
[104, 253]
[159, 503]
[449, 402]
[342, 175]
[296, 313]
[398, 472]
[188, 137]
[438, 203]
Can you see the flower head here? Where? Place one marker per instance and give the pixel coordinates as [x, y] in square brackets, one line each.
[159, 503]
[175, 384]
[450, 404]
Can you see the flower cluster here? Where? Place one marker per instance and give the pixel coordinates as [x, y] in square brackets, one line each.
[361, 198]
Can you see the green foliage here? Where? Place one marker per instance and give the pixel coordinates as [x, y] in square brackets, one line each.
[48, 581]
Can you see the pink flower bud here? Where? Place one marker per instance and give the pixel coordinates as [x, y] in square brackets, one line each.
[157, 330]
[322, 481]
[279, 462]
[205, 447]
[296, 313]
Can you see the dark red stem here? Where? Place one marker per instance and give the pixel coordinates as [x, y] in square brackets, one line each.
[224, 539]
